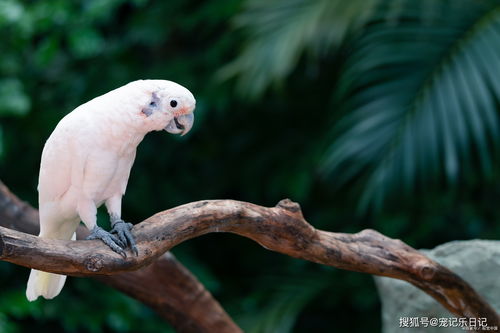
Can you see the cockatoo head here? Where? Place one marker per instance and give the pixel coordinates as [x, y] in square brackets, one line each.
[165, 105]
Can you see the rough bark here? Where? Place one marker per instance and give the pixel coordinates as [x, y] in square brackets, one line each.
[282, 229]
[166, 285]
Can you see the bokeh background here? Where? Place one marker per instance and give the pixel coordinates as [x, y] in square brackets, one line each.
[376, 114]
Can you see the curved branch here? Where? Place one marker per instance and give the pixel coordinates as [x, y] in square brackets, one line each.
[166, 286]
[282, 229]
[175, 294]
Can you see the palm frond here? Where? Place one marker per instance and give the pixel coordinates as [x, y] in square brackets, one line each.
[281, 30]
[283, 303]
[422, 99]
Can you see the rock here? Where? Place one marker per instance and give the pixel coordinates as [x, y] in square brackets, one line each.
[476, 261]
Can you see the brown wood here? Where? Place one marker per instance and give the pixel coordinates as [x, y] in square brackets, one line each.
[282, 229]
[166, 285]
[170, 289]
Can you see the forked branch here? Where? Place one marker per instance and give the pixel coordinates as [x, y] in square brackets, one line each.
[282, 229]
[166, 285]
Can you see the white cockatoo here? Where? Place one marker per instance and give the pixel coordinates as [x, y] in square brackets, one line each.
[87, 159]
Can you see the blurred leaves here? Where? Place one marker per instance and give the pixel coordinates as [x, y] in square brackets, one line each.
[422, 101]
[85, 42]
[281, 30]
[71, 311]
[289, 295]
[395, 102]
[418, 88]
[10, 11]
[13, 99]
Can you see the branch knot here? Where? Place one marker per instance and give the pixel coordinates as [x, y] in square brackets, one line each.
[424, 269]
[289, 205]
[94, 263]
[427, 272]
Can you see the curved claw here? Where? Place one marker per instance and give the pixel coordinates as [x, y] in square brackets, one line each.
[122, 231]
[110, 240]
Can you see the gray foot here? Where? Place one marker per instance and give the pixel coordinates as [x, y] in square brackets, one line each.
[110, 240]
[122, 231]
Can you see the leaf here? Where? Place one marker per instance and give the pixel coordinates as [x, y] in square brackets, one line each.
[1, 143]
[13, 99]
[281, 30]
[421, 99]
[284, 303]
[86, 42]
[10, 11]
[46, 51]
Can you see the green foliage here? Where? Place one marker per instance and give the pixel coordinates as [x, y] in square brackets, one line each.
[339, 105]
[13, 99]
[422, 100]
[281, 30]
[278, 313]
[417, 87]
[116, 312]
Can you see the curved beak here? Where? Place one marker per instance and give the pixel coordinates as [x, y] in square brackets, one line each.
[180, 125]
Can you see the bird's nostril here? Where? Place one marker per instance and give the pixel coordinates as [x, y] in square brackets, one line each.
[178, 124]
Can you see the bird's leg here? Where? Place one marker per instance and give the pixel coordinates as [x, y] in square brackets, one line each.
[87, 211]
[118, 226]
[122, 231]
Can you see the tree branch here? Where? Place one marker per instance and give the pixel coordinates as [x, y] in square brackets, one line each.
[166, 286]
[282, 229]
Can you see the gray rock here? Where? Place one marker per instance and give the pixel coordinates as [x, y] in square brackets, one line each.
[476, 261]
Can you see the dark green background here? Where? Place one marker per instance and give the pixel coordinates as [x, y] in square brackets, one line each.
[369, 113]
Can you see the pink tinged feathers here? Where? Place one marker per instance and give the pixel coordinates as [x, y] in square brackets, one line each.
[87, 159]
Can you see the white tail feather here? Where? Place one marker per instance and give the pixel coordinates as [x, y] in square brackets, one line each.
[44, 284]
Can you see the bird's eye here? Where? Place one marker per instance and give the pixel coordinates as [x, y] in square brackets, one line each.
[152, 104]
[173, 103]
